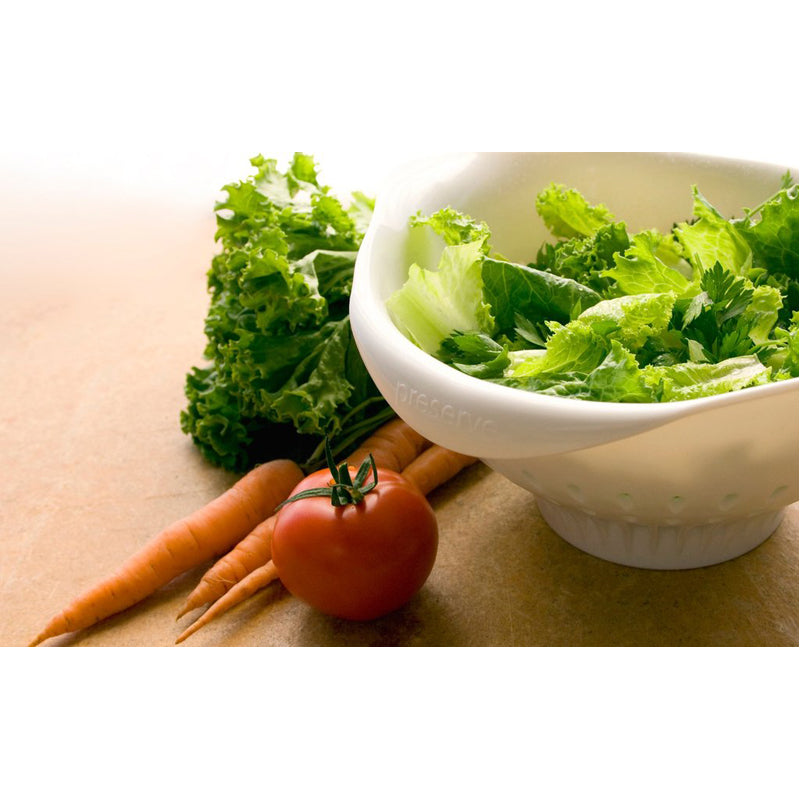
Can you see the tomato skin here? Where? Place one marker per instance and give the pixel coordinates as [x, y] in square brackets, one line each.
[356, 562]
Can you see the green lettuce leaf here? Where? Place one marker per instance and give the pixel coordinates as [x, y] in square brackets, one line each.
[475, 354]
[567, 213]
[618, 378]
[690, 380]
[706, 308]
[789, 357]
[575, 347]
[711, 238]
[653, 263]
[282, 370]
[771, 230]
[454, 227]
[631, 319]
[517, 290]
[581, 345]
[432, 304]
[586, 259]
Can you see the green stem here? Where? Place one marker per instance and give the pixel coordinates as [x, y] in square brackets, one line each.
[357, 432]
[343, 489]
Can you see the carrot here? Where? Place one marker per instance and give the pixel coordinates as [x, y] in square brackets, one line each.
[204, 534]
[393, 446]
[433, 467]
[249, 585]
[252, 552]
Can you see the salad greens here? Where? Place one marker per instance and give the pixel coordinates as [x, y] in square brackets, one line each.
[282, 372]
[609, 314]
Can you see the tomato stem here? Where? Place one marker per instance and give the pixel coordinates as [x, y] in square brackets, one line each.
[343, 489]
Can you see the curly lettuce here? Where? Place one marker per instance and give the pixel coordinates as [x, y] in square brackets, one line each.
[281, 369]
[608, 314]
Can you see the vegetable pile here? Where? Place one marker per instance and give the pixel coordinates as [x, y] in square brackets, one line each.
[283, 371]
[608, 314]
[379, 553]
[357, 546]
[284, 392]
[602, 314]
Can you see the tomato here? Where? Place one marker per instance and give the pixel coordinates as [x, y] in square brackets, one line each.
[361, 560]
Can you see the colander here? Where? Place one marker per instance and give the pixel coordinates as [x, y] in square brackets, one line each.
[661, 486]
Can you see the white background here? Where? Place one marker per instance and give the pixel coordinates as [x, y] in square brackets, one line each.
[173, 98]
[169, 100]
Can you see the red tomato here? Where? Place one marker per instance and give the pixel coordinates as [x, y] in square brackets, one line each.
[356, 561]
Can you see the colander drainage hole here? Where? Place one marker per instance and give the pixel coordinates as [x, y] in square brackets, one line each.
[780, 490]
[625, 501]
[575, 492]
[676, 503]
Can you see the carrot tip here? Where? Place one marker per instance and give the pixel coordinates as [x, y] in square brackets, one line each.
[186, 634]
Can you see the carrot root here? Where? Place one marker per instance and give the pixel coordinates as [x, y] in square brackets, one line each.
[435, 466]
[394, 446]
[248, 586]
[252, 552]
[204, 534]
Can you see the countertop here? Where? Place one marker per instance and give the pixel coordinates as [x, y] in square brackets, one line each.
[102, 302]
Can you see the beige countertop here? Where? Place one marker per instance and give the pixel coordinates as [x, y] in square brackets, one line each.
[102, 301]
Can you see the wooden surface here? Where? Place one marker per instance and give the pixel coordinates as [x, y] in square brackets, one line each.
[102, 301]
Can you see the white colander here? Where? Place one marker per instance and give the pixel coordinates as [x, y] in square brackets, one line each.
[663, 486]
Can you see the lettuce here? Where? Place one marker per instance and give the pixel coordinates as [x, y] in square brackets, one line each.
[652, 263]
[586, 259]
[771, 230]
[713, 239]
[516, 289]
[567, 213]
[432, 303]
[617, 378]
[281, 369]
[687, 381]
[610, 315]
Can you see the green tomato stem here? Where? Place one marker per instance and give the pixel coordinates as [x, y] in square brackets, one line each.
[343, 489]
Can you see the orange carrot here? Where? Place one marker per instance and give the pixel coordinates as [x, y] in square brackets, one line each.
[393, 446]
[204, 534]
[433, 467]
[246, 587]
[252, 552]
[436, 466]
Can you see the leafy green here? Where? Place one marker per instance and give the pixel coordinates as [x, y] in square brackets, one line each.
[711, 238]
[455, 227]
[586, 259]
[690, 380]
[652, 263]
[475, 354]
[631, 319]
[771, 230]
[432, 303]
[567, 213]
[611, 315]
[573, 348]
[601, 338]
[616, 378]
[787, 361]
[534, 294]
[282, 372]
